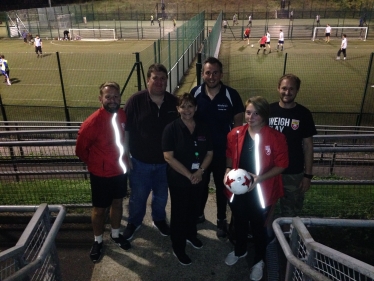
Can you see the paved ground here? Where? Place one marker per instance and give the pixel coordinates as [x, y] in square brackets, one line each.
[151, 258]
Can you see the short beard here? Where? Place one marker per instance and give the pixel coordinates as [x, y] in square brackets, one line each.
[111, 110]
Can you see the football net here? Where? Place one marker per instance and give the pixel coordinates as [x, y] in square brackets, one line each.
[351, 32]
[92, 34]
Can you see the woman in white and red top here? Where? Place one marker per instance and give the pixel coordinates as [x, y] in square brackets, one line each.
[240, 153]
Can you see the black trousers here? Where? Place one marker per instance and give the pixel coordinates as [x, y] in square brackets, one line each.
[246, 208]
[342, 51]
[218, 168]
[185, 201]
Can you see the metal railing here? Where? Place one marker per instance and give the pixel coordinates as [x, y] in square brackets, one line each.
[45, 158]
[310, 260]
[34, 257]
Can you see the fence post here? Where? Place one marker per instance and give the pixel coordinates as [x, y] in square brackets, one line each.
[154, 52]
[359, 119]
[159, 50]
[3, 109]
[169, 57]
[285, 64]
[198, 69]
[67, 116]
[138, 77]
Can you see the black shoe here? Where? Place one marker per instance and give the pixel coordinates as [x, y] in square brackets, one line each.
[182, 258]
[163, 227]
[95, 253]
[194, 242]
[121, 242]
[130, 230]
[200, 219]
[222, 228]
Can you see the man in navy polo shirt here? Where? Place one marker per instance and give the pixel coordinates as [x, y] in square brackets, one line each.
[222, 109]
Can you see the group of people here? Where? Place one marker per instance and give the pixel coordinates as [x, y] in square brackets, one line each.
[265, 42]
[4, 67]
[166, 143]
[343, 45]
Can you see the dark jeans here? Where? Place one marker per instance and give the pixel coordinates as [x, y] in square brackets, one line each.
[218, 168]
[145, 178]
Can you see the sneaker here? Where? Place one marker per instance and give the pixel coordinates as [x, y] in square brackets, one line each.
[222, 228]
[121, 242]
[231, 259]
[163, 227]
[344, 58]
[182, 258]
[338, 58]
[257, 271]
[194, 242]
[130, 230]
[200, 219]
[95, 253]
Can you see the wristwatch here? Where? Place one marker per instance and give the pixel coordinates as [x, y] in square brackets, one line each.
[308, 176]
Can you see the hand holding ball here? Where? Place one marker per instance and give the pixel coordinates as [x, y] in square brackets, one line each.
[238, 181]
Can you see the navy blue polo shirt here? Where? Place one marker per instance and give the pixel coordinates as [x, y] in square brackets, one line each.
[146, 122]
[218, 113]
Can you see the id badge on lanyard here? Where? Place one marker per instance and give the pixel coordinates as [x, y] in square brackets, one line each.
[196, 163]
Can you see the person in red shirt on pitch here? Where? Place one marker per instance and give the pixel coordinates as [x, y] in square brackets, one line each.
[247, 32]
[262, 42]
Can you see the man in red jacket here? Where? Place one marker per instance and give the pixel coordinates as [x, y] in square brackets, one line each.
[100, 144]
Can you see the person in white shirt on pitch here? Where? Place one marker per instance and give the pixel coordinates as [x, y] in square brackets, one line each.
[250, 21]
[327, 33]
[343, 47]
[268, 41]
[280, 40]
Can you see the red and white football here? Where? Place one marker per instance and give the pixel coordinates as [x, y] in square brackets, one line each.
[238, 181]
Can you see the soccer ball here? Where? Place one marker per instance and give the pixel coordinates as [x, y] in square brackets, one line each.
[252, 45]
[238, 181]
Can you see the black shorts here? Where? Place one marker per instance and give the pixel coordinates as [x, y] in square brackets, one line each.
[262, 45]
[104, 190]
[246, 36]
[327, 34]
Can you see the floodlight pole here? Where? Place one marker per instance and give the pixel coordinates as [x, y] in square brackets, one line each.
[49, 2]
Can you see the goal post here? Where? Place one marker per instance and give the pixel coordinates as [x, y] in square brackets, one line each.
[351, 32]
[92, 34]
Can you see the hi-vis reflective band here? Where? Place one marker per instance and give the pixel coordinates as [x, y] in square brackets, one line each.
[118, 143]
[257, 159]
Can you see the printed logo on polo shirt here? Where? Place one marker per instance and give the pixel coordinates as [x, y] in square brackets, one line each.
[201, 138]
[222, 107]
[295, 124]
[267, 150]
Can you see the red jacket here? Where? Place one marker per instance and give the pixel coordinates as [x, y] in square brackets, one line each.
[96, 145]
[273, 152]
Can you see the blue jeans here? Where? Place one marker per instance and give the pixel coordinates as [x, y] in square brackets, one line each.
[145, 178]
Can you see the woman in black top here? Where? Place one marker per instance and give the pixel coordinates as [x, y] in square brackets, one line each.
[188, 151]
